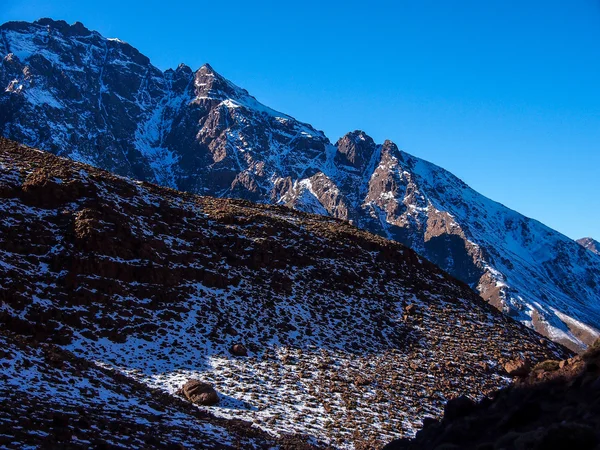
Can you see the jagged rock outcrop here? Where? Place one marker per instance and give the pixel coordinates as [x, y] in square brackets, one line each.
[71, 91]
[350, 338]
[591, 244]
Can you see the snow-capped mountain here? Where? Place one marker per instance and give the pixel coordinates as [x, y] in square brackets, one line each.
[591, 244]
[349, 339]
[71, 91]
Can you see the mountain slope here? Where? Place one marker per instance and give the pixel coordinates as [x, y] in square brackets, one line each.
[350, 337]
[70, 91]
[519, 265]
[52, 399]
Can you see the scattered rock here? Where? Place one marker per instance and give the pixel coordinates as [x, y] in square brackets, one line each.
[563, 363]
[355, 355]
[231, 331]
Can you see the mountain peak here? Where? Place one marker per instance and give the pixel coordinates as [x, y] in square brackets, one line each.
[211, 85]
[590, 243]
[208, 69]
[390, 144]
[358, 135]
[354, 149]
[45, 21]
[390, 147]
[183, 68]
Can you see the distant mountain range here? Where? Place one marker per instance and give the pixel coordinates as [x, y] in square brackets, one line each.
[116, 292]
[72, 92]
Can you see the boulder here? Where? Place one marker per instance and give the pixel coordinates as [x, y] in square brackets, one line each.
[518, 367]
[239, 350]
[231, 331]
[199, 392]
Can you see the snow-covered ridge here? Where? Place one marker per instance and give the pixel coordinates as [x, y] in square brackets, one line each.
[70, 91]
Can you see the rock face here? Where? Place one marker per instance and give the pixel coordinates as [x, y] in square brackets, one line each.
[200, 393]
[158, 285]
[72, 92]
[591, 244]
[555, 407]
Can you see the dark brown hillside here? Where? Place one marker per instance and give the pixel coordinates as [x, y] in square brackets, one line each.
[349, 338]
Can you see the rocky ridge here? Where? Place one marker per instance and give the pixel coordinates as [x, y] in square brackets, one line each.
[73, 92]
[349, 338]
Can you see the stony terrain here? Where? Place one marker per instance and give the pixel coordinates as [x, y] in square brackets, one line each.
[71, 91]
[555, 407]
[350, 338]
[53, 399]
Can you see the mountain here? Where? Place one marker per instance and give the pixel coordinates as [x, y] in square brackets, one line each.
[590, 244]
[72, 92]
[116, 292]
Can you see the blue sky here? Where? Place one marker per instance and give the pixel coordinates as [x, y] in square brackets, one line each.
[505, 94]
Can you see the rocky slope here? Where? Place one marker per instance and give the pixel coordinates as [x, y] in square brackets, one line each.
[50, 398]
[71, 91]
[349, 338]
[555, 407]
[591, 244]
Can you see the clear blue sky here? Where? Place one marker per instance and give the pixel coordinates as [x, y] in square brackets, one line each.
[505, 94]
